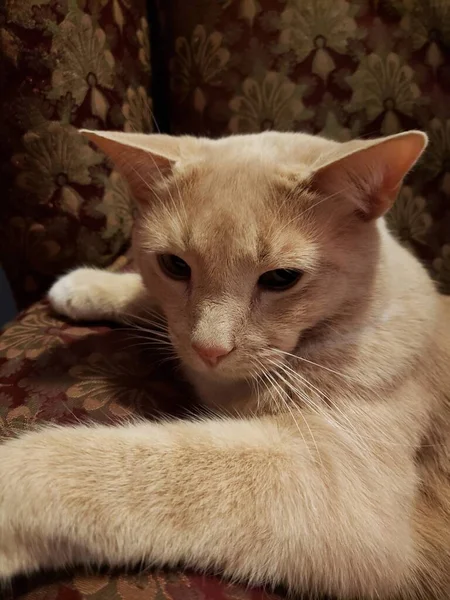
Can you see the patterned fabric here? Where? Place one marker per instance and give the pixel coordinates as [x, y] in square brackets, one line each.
[344, 69]
[67, 65]
[158, 586]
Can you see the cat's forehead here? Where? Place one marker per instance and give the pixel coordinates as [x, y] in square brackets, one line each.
[238, 213]
[228, 234]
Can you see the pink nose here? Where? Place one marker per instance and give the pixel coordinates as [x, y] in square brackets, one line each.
[211, 355]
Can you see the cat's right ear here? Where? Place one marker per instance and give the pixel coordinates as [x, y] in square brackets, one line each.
[142, 159]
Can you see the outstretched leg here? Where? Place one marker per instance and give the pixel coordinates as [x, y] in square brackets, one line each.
[249, 498]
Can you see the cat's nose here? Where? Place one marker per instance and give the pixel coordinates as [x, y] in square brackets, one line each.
[211, 355]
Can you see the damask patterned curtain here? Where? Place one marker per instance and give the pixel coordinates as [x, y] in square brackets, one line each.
[66, 64]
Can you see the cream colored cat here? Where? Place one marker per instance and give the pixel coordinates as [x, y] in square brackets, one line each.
[321, 340]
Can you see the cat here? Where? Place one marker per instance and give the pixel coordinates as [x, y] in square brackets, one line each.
[319, 345]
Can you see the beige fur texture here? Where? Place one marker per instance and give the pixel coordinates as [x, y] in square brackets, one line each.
[327, 467]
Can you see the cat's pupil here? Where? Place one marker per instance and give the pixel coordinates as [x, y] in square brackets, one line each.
[174, 266]
[279, 279]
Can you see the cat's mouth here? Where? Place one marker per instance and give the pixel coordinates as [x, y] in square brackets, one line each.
[250, 363]
[237, 366]
[230, 367]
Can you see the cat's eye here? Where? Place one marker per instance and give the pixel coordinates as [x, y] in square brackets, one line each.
[279, 279]
[174, 266]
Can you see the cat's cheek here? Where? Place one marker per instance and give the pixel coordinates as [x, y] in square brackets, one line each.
[176, 342]
[286, 341]
[184, 352]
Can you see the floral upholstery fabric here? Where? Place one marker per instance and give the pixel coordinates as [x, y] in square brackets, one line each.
[66, 65]
[341, 68]
[154, 586]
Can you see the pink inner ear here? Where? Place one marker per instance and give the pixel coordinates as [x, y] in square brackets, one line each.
[372, 176]
[140, 167]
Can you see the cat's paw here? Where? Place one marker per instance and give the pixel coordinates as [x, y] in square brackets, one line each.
[80, 295]
[92, 294]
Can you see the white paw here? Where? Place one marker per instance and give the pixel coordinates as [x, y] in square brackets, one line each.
[85, 294]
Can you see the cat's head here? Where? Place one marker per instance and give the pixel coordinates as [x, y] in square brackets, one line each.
[252, 243]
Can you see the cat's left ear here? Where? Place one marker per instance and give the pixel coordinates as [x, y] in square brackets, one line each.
[141, 158]
[369, 173]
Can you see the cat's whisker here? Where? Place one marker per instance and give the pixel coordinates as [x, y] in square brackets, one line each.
[149, 341]
[298, 391]
[154, 311]
[352, 433]
[270, 388]
[301, 358]
[284, 398]
[153, 118]
[150, 334]
[254, 380]
[149, 338]
[293, 381]
[296, 377]
[345, 376]
[153, 332]
[135, 325]
[303, 379]
[150, 345]
[320, 412]
[146, 312]
[276, 387]
[350, 379]
[166, 359]
[270, 391]
[139, 326]
[138, 341]
[139, 338]
[147, 325]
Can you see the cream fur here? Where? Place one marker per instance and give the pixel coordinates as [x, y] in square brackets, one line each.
[330, 471]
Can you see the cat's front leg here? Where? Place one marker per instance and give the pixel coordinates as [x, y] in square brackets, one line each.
[92, 294]
[250, 498]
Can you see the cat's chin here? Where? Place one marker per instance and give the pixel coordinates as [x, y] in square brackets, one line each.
[220, 373]
[224, 392]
